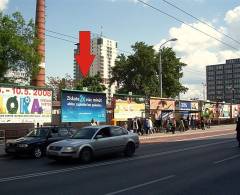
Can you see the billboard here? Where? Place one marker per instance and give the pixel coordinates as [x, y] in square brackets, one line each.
[162, 108]
[78, 106]
[162, 104]
[128, 107]
[25, 105]
[216, 110]
[235, 110]
[183, 105]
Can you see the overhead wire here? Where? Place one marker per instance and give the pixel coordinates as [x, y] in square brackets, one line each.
[181, 21]
[185, 68]
[203, 22]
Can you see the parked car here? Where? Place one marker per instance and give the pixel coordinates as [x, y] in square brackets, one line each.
[92, 141]
[37, 140]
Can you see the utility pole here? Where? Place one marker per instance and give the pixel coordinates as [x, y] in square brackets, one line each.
[160, 64]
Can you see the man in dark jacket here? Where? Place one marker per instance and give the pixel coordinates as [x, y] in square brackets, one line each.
[238, 131]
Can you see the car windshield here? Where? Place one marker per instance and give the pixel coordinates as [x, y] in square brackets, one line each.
[38, 132]
[85, 133]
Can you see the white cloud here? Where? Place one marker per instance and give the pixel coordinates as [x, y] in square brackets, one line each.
[233, 16]
[3, 4]
[197, 91]
[198, 50]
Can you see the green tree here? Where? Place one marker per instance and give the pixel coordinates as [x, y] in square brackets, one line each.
[18, 45]
[139, 72]
[58, 83]
[93, 83]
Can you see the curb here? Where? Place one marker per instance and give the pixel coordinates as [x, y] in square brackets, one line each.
[188, 132]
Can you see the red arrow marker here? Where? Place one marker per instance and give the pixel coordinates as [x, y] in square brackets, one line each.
[84, 57]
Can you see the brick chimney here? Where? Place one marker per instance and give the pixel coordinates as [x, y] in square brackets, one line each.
[39, 80]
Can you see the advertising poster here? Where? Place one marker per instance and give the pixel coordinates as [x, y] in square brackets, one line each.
[194, 106]
[208, 110]
[162, 104]
[25, 105]
[80, 106]
[183, 105]
[128, 107]
[235, 110]
[162, 108]
[225, 111]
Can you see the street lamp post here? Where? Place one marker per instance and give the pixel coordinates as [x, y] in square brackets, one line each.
[160, 64]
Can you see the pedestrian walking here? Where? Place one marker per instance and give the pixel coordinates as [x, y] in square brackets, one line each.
[202, 123]
[93, 123]
[238, 131]
[135, 125]
[150, 125]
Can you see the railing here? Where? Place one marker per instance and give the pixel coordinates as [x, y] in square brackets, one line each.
[2, 137]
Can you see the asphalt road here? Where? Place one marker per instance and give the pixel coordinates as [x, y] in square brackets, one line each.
[206, 166]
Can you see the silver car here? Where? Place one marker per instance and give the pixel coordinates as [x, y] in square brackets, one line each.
[92, 141]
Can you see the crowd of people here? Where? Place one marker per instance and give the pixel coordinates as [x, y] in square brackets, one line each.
[148, 126]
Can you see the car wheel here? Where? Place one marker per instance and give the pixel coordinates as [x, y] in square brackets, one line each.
[86, 155]
[130, 149]
[37, 153]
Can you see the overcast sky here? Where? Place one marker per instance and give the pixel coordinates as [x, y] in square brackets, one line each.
[127, 21]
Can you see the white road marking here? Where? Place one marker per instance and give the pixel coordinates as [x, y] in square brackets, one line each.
[141, 185]
[39, 174]
[227, 159]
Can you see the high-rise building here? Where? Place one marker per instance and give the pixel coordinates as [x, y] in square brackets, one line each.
[105, 51]
[223, 81]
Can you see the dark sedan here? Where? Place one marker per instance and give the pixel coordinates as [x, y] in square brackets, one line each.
[36, 141]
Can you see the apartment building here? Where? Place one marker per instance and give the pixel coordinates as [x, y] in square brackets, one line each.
[105, 51]
[223, 81]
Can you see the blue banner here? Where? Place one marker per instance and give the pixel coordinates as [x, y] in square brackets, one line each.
[83, 106]
[185, 105]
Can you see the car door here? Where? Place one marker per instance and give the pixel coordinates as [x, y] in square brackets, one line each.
[119, 138]
[53, 135]
[102, 143]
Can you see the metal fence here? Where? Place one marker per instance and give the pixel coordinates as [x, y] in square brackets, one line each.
[2, 137]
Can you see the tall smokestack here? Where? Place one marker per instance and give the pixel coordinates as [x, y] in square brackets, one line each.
[39, 80]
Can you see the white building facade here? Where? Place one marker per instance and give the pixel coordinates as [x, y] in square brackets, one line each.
[105, 51]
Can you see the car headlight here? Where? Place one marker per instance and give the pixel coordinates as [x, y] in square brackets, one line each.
[22, 145]
[69, 149]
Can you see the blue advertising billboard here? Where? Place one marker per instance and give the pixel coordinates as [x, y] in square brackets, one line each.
[184, 105]
[78, 106]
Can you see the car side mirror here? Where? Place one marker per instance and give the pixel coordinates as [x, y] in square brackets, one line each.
[98, 137]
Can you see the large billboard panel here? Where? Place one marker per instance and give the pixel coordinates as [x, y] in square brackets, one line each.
[128, 107]
[78, 106]
[25, 105]
[235, 110]
[162, 108]
[162, 104]
[216, 110]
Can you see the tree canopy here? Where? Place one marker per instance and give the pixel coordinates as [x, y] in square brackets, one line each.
[92, 83]
[18, 45]
[139, 72]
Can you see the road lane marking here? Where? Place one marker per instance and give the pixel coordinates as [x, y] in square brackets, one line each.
[227, 159]
[39, 174]
[141, 185]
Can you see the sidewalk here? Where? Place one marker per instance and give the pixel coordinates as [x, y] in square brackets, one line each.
[188, 132]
